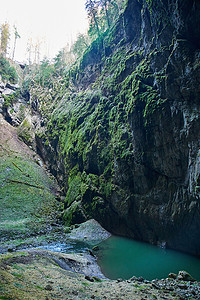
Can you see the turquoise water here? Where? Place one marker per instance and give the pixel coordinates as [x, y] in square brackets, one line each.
[123, 258]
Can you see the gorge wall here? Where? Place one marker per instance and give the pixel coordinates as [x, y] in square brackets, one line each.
[121, 131]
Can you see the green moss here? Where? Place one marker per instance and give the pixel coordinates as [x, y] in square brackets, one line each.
[24, 209]
[74, 190]
[25, 132]
[158, 15]
[7, 256]
[74, 214]
[93, 131]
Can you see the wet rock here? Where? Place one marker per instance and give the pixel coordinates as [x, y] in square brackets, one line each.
[146, 281]
[182, 286]
[185, 276]
[91, 253]
[140, 279]
[95, 248]
[155, 285]
[172, 275]
[96, 278]
[133, 278]
[89, 278]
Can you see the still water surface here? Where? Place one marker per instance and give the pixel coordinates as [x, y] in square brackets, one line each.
[120, 257]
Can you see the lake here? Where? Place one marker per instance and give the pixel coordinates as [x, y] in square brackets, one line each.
[123, 258]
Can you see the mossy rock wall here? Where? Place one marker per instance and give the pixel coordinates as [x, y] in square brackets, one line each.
[123, 136]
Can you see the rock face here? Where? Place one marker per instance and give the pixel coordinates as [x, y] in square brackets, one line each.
[123, 136]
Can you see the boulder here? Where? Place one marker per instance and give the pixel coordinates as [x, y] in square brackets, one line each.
[90, 231]
[185, 276]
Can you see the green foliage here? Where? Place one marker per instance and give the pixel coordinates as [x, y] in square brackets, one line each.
[66, 57]
[10, 99]
[93, 53]
[7, 72]
[92, 10]
[26, 85]
[102, 14]
[60, 62]
[25, 132]
[80, 45]
[45, 73]
[41, 75]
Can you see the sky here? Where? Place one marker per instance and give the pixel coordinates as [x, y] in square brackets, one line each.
[52, 23]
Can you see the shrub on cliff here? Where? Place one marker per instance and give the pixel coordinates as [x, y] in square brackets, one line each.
[7, 72]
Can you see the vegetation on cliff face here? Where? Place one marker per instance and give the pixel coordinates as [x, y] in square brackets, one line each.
[7, 72]
[119, 129]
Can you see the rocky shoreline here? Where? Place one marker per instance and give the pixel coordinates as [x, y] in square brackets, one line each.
[41, 274]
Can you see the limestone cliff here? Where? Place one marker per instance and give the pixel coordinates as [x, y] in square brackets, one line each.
[121, 131]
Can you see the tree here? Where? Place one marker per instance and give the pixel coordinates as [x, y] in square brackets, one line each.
[110, 10]
[16, 37]
[64, 59]
[80, 45]
[105, 5]
[5, 36]
[103, 14]
[92, 10]
[45, 74]
[37, 47]
[29, 50]
[33, 50]
[7, 72]
[60, 61]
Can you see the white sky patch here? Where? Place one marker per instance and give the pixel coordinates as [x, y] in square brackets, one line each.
[53, 23]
